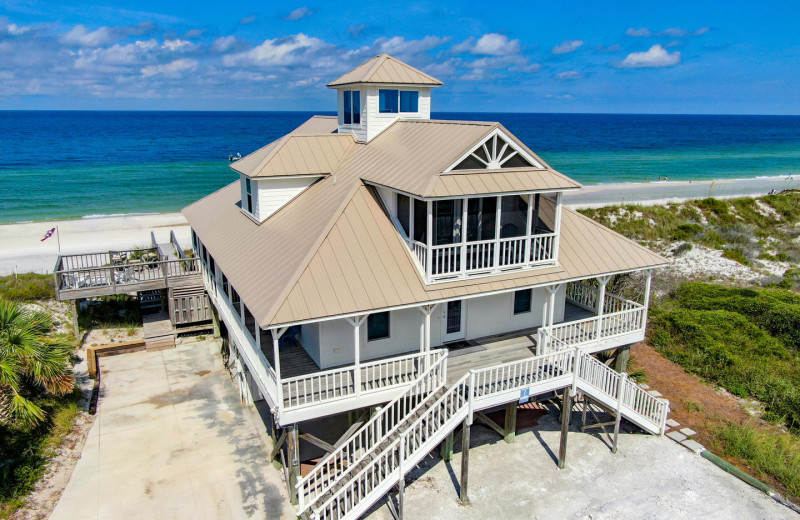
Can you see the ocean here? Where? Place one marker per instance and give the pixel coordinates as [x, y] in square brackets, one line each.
[63, 164]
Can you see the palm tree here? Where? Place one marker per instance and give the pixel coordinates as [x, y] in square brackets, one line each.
[31, 363]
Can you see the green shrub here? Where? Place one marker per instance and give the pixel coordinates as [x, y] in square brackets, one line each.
[737, 255]
[683, 249]
[27, 287]
[687, 231]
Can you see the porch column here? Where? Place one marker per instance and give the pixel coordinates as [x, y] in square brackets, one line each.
[464, 236]
[429, 242]
[544, 311]
[497, 215]
[411, 219]
[648, 281]
[557, 226]
[601, 298]
[276, 358]
[425, 331]
[528, 226]
[356, 323]
[551, 306]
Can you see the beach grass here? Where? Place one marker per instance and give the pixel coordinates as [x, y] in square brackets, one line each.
[746, 229]
[27, 287]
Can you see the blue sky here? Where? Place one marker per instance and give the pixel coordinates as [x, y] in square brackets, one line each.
[731, 57]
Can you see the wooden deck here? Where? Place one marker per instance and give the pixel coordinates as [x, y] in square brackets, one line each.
[501, 348]
[158, 331]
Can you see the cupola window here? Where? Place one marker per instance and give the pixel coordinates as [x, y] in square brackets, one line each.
[392, 101]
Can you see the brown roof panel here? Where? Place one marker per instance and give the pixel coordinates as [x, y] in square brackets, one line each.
[388, 70]
[296, 155]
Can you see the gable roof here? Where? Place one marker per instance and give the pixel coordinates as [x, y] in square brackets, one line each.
[296, 155]
[388, 70]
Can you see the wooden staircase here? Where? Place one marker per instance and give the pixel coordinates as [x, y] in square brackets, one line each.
[159, 333]
[349, 480]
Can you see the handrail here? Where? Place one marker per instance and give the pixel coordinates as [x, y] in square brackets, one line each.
[372, 433]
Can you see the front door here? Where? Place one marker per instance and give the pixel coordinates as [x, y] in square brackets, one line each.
[454, 321]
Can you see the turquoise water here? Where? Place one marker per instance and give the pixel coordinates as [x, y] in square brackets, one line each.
[79, 164]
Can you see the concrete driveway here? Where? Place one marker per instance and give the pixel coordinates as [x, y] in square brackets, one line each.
[172, 440]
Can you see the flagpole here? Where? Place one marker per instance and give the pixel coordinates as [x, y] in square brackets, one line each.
[58, 236]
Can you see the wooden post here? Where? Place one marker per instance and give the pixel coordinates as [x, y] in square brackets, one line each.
[215, 322]
[551, 306]
[623, 356]
[620, 394]
[447, 447]
[276, 357]
[293, 462]
[510, 424]
[463, 496]
[75, 328]
[429, 241]
[601, 298]
[566, 415]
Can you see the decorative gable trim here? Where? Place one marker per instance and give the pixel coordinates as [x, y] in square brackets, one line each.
[496, 151]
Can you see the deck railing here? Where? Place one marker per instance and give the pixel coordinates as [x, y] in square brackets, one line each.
[582, 332]
[585, 295]
[123, 274]
[485, 256]
[339, 383]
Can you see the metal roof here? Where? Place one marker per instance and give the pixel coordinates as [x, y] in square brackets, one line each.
[296, 155]
[387, 70]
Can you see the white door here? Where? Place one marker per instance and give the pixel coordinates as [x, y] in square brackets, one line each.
[454, 322]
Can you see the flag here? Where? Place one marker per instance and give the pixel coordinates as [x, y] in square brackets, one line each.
[48, 234]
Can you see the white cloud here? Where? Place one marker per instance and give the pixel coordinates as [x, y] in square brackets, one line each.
[171, 68]
[567, 46]
[701, 31]
[224, 43]
[656, 56]
[291, 50]
[399, 46]
[641, 32]
[13, 29]
[247, 19]
[569, 74]
[81, 36]
[675, 32]
[490, 44]
[299, 13]
[177, 44]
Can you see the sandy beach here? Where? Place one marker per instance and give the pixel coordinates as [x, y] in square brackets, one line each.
[21, 248]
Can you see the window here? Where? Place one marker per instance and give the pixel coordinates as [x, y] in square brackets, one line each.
[409, 101]
[249, 195]
[378, 326]
[224, 283]
[403, 212]
[420, 221]
[352, 107]
[388, 101]
[194, 239]
[392, 101]
[522, 301]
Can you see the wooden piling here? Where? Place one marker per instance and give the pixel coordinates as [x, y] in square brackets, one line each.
[447, 447]
[293, 462]
[510, 424]
[464, 462]
[566, 414]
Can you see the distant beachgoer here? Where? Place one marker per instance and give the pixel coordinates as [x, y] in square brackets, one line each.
[771, 192]
[659, 178]
[666, 178]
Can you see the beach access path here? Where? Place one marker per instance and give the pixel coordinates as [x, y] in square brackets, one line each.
[21, 248]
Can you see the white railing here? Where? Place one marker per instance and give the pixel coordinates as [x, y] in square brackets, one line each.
[334, 466]
[512, 251]
[464, 259]
[582, 332]
[582, 294]
[259, 367]
[404, 451]
[522, 374]
[637, 404]
[339, 383]
[373, 462]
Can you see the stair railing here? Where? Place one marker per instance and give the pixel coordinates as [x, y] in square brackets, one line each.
[333, 467]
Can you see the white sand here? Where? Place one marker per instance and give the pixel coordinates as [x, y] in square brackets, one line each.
[21, 247]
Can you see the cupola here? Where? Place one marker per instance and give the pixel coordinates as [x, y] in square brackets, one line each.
[376, 93]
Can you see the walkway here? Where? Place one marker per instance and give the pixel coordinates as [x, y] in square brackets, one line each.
[171, 440]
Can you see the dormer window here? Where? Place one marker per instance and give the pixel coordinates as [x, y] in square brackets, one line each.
[392, 101]
[352, 107]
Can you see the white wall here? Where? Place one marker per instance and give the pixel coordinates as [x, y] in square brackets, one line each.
[372, 121]
[332, 344]
[273, 194]
[359, 131]
[336, 339]
[310, 339]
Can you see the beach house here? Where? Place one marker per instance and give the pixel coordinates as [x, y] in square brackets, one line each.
[383, 278]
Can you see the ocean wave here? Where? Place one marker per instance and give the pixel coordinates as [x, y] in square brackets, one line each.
[109, 215]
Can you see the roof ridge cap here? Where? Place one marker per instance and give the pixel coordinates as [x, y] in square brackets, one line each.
[379, 59]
